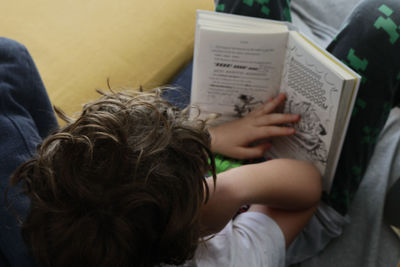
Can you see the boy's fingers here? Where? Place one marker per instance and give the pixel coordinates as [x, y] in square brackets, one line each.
[271, 105]
[274, 131]
[276, 118]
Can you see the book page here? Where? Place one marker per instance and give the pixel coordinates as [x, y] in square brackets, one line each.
[240, 22]
[234, 72]
[314, 92]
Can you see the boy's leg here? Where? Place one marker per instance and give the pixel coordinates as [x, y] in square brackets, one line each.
[268, 9]
[26, 117]
[369, 44]
[24, 87]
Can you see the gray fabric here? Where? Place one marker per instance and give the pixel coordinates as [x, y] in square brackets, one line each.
[324, 226]
[321, 20]
[367, 241]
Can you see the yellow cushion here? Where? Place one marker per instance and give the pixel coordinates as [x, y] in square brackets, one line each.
[78, 44]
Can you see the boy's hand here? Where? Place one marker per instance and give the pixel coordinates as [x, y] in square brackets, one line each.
[234, 139]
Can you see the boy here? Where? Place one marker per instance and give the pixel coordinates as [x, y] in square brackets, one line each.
[378, 91]
[123, 185]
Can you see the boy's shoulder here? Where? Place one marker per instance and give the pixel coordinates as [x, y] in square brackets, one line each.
[240, 241]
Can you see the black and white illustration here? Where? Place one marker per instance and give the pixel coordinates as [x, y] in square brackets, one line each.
[310, 130]
[244, 105]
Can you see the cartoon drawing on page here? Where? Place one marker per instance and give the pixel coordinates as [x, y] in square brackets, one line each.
[309, 129]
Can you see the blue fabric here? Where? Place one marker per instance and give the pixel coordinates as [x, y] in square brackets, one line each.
[180, 96]
[26, 117]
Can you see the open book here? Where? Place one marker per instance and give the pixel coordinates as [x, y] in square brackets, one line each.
[240, 62]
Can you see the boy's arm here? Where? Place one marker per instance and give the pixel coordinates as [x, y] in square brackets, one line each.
[290, 222]
[290, 188]
[286, 190]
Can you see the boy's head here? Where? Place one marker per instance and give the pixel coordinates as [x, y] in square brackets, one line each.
[121, 185]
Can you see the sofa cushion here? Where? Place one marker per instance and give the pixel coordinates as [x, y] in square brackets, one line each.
[78, 44]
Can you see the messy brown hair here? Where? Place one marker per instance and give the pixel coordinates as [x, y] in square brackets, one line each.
[122, 185]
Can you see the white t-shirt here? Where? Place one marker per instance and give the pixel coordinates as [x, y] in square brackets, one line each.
[252, 239]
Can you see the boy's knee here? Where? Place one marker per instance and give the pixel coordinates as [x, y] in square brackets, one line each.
[372, 29]
[12, 49]
[383, 14]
